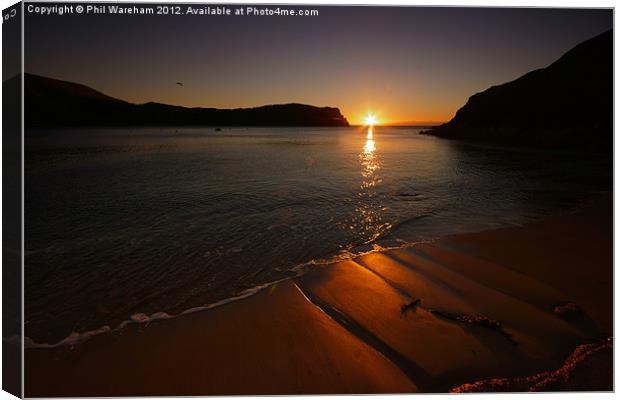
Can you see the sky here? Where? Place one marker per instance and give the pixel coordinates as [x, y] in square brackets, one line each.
[403, 64]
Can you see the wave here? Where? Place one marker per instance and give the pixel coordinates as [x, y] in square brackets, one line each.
[76, 338]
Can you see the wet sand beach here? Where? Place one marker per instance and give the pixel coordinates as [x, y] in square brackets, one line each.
[523, 308]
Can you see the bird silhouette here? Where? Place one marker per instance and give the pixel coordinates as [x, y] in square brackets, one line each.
[180, 83]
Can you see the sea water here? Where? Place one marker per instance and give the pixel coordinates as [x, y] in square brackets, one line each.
[124, 223]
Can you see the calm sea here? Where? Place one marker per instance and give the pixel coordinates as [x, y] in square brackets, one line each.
[123, 223]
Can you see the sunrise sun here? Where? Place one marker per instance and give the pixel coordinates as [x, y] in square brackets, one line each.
[370, 120]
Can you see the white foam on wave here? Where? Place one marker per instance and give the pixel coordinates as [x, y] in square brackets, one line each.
[76, 338]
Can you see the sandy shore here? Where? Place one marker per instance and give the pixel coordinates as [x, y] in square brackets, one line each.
[526, 308]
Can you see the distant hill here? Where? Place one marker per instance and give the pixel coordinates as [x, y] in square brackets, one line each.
[52, 102]
[568, 104]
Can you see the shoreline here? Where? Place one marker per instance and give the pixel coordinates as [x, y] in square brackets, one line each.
[477, 306]
[76, 338]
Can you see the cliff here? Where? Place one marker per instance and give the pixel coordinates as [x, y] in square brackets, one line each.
[52, 102]
[568, 104]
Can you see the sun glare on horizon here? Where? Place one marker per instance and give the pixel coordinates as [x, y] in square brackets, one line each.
[370, 120]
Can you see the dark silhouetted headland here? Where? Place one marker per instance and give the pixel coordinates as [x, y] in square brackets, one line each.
[568, 104]
[52, 102]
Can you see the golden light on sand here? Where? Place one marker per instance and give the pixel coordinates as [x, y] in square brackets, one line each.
[370, 120]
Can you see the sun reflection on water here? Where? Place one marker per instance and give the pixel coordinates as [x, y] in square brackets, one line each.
[370, 148]
[370, 163]
[370, 211]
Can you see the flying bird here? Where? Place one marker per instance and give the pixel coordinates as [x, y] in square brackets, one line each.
[180, 83]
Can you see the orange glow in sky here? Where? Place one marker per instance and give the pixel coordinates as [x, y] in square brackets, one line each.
[426, 62]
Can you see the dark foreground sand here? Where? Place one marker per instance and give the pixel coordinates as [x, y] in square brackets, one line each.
[513, 309]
